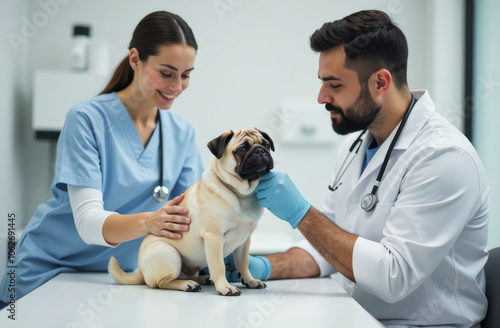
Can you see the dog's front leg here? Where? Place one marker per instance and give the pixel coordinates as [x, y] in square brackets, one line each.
[215, 258]
[241, 263]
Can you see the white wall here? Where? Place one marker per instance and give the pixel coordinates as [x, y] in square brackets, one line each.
[13, 115]
[486, 97]
[447, 58]
[253, 59]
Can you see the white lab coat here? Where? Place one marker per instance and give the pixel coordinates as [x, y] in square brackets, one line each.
[420, 253]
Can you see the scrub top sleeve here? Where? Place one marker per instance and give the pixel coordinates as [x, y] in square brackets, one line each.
[78, 158]
[191, 170]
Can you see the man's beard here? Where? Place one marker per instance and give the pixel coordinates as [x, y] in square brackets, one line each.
[361, 114]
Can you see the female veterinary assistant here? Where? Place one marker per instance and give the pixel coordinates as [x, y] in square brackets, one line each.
[108, 164]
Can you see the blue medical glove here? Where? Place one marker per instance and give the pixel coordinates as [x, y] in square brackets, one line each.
[278, 193]
[259, 267]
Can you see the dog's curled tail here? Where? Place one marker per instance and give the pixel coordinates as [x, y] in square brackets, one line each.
[122, 277]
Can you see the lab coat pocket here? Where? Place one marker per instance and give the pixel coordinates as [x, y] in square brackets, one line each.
[373, 223]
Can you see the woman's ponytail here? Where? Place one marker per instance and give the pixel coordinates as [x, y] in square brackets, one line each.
[122, 77]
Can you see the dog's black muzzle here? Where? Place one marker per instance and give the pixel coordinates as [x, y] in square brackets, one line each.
[257, 162]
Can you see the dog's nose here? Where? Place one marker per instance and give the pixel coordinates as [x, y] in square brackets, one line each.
[258, 151]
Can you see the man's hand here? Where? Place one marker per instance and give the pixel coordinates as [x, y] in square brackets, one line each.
[278, 193]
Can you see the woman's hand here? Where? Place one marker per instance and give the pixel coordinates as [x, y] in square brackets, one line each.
[169, 221]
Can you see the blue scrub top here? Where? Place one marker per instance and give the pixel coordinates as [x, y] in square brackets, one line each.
[99, 147]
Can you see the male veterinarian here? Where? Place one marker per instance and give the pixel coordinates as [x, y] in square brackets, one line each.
[406, 216]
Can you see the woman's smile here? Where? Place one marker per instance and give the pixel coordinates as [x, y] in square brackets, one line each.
[165, 96]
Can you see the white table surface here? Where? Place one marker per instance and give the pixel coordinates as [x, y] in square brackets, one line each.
[94, 300]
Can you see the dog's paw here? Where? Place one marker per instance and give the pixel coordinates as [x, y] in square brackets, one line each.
[255, 284]
[191, 286]
[228, 291]
[195, 288]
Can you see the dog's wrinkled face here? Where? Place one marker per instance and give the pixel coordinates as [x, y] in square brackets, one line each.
[244, 154]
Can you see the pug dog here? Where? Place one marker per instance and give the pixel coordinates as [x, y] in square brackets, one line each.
[224, 212]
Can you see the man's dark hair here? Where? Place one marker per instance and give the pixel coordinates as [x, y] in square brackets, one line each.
[371, 41]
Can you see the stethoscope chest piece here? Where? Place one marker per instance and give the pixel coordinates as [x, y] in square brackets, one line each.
[160, 194]
[368, 202]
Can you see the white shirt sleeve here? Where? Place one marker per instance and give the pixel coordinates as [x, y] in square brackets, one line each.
[325, 268]
[89, 214]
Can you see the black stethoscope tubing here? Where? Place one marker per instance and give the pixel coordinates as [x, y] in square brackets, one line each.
[160, 193]
[369, 201]
[335, 185]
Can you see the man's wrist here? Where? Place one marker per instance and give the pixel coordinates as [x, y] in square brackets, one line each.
[300, 214]
[293, 263]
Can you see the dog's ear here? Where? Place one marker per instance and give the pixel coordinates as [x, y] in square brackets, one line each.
[218, 145]
[268, 138]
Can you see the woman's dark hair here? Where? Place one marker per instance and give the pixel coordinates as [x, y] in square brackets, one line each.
[371, 41]
[156, 29]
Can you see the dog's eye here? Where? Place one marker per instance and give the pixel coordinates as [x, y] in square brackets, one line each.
[267, 145]
[242, 150]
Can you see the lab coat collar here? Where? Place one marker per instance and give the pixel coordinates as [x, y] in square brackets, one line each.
[420, 114]
[423, 109]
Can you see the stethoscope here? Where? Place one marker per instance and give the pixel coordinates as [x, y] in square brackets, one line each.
[160, 193]
[369, 201]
